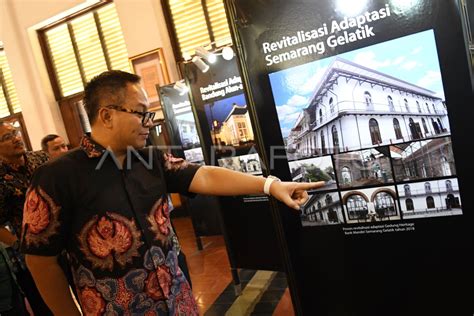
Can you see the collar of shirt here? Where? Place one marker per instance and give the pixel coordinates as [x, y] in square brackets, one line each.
[91, 148]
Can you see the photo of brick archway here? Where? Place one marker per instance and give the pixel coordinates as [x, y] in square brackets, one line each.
[371, 205]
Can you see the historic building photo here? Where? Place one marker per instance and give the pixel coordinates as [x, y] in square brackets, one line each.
[314, 170]
[364, 168]
[355, 107]
[229, 122]
[250, 164]
[430, 198]
[322, 209]
[423, 159]
[370, 205]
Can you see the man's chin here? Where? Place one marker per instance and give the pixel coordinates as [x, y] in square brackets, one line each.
[19, 150]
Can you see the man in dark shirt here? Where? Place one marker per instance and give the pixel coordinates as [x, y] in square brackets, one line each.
[107, 204]
[16, 169]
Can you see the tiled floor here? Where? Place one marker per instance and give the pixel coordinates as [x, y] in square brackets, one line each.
[210, 276]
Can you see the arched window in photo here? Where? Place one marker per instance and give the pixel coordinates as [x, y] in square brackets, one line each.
[407, 107]
[346, 175]
[445, 166]
[434, 108]
[357, 207]
[440, 124]
[323, 143]
[328, 199]
[384, 204]
[409, 205]
[375, 132]
[368, 100]
[449, 186]
[424, 172]
[418, 106]
[319, 205]
[435, 126]
[335, 138]
[430, 202]
[331, 104]
[407, 189]
[320, 115]
[396, 128]
[427, 187]
[391, 107]
[428, 108]
[425, 127]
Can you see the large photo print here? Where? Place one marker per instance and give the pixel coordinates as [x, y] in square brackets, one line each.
[383, 94]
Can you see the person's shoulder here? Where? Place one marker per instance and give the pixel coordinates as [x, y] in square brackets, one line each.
[63, 163]
[38, 156]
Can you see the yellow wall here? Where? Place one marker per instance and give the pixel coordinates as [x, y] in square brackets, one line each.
[143, 26]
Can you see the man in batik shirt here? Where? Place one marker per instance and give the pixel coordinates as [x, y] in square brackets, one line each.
[107, 204]
[16, 169]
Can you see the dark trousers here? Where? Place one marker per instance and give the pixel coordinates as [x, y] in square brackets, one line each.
[27, 284]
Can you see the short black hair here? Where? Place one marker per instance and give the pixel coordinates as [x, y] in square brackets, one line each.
[110, 84]
[46, 140]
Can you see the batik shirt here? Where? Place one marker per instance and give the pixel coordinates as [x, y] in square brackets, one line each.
[14, 181]
[115, 225]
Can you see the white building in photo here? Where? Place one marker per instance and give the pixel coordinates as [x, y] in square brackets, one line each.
[251, 164]
[236, 128]
[187, 131]
[370, 205]
[355, 107]
[430, 198]
[322, 209]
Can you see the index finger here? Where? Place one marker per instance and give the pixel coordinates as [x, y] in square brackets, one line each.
[311, 185]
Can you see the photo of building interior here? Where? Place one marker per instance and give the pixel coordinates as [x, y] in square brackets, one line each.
[430, 158]
[364, 168]
[371, 205]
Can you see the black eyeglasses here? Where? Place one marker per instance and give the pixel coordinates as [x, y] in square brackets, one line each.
[10, 136]
[146, 116]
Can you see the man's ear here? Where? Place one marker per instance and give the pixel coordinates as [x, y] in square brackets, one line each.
[105, 117]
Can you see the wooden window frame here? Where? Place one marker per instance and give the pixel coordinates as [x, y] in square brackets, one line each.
[45, 49]
[172, 32]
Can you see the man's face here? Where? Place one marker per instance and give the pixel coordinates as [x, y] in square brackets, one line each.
[129, 128]
[11, 141]
[57, 147]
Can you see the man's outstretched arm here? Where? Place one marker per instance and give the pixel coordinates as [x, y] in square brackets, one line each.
[220, 181]
[52, 284]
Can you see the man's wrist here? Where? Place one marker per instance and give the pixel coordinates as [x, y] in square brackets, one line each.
[268, 182]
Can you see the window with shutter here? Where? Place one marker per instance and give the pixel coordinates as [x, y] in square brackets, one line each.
[9, 103]
[197, 23]
[83, 46]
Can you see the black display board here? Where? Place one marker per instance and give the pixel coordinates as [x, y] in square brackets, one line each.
[220, 104]
[375, 98]
[186, 143]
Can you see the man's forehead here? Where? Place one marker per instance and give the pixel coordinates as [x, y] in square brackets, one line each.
[57, 140]
[6, 127]
[140, 97]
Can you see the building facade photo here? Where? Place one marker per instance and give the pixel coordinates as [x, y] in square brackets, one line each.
[322, 209]
[430, 198]
[355, 107]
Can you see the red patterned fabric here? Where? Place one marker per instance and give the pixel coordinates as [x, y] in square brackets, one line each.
[115, 225]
